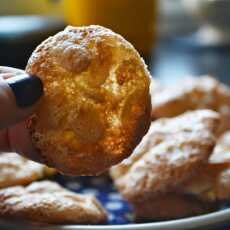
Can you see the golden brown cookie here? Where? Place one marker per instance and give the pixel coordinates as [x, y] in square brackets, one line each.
[171, 152]
[96, 106]
[17, 170]
[191, 94]
[48, 202]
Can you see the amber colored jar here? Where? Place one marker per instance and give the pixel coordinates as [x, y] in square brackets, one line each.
[134, 19]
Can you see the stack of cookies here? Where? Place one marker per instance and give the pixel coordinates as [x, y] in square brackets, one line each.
[182, 166]
[22, 198]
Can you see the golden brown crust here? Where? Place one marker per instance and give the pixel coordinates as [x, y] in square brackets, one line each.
[171, 152]
[16, 170]
[170, 206]
[191, 94]
[47, 202]
[96, 106]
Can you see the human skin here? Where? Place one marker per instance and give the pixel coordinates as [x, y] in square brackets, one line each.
[13, 133]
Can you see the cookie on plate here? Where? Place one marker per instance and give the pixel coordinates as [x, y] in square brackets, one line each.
[201, 193]
[212, 183]
[96, 105]
[17, 170]
[190, 94]
[48, 202]
[170, 153]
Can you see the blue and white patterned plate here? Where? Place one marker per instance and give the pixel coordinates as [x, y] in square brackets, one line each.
[102, 187]
[120, 213]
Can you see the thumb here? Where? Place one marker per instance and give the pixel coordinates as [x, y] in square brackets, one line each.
[19, 96]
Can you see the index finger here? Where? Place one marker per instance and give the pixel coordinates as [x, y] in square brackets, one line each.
[7, 72]
[6, 69]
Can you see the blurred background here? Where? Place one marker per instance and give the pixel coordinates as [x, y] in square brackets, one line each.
[176, 37]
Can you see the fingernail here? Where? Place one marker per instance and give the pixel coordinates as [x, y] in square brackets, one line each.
[26, 89]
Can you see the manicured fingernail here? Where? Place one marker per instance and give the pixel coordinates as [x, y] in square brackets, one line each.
[26, 89]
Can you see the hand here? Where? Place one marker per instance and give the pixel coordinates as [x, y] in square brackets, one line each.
[19, 96]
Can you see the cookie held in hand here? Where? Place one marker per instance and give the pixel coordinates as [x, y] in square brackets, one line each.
[96, 105]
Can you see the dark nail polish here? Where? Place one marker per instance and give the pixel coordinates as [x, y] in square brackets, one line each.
[26, 89]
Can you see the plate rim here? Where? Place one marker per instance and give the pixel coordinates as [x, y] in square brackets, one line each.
[212, 218]
[205, 220]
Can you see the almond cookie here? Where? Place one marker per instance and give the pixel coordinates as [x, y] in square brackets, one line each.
[96, 106]
[171, 152]
[191, 94]
[48, 202]
[17, 170]
[200, 194]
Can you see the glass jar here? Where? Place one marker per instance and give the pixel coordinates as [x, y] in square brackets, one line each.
[25, 7]
[134, 19]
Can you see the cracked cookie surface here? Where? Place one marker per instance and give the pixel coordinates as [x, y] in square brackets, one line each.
[96, 106]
